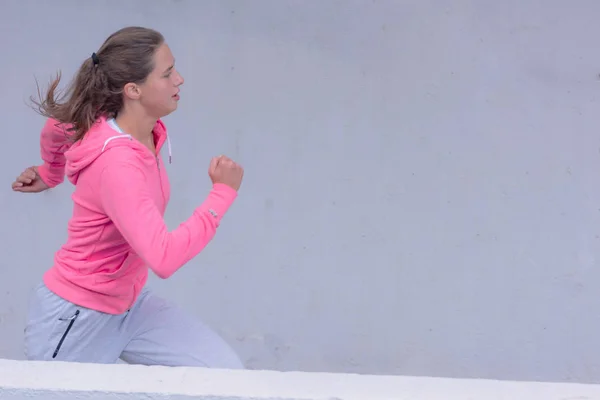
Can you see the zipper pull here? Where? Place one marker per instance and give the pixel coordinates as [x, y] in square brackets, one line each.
[71, 318]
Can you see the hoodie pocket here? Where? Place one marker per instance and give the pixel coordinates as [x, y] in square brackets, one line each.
[66, 332]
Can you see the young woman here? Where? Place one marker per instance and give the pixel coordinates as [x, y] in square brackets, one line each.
[106, 136]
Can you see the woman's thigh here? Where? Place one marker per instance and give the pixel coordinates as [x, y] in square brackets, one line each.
[59, 330]
[162, 334]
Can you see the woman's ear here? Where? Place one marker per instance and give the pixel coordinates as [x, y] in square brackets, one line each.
[132, 91]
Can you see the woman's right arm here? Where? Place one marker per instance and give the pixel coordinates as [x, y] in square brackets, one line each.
[53, 144]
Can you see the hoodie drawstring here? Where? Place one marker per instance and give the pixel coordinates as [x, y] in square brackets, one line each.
[169, 146]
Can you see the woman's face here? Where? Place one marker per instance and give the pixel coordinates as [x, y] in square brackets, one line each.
[159, 94]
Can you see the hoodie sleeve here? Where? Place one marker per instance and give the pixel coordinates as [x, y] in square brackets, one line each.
[53, 144]
[126, 200]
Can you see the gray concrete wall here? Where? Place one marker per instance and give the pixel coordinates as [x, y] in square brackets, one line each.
[421, 192]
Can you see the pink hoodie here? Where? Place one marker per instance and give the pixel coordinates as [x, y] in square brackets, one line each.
[117, 229]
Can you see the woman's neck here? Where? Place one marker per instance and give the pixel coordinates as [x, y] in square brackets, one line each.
[140, 127]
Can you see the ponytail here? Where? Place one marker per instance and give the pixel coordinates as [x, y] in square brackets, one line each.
[97, 90]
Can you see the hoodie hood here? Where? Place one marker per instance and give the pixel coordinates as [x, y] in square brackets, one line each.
[103, 136]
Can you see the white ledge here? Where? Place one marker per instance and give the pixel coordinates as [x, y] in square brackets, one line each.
[57, 380]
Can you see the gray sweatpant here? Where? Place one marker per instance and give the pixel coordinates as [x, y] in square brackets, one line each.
[152, 332]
